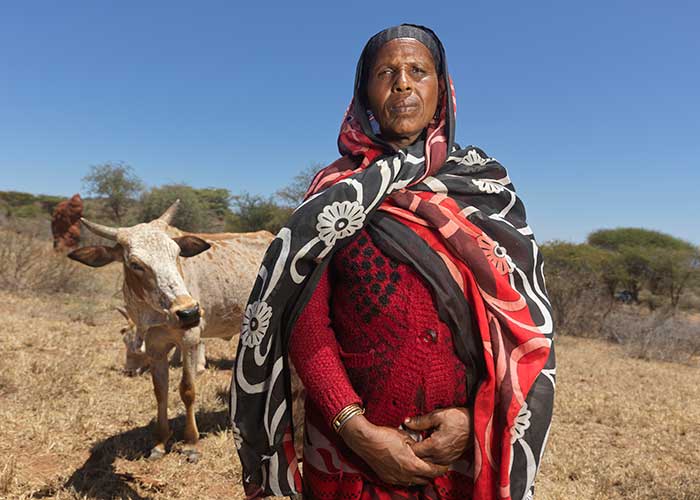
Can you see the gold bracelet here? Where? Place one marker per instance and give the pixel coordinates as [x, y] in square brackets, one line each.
[346, 414]
[343, 413]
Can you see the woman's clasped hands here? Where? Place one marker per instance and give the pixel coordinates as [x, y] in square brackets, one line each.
[397, 458]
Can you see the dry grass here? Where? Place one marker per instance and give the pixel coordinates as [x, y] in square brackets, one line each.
[623, 428]
[75, 427]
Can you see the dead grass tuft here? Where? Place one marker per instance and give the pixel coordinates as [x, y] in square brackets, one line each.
[7, 476]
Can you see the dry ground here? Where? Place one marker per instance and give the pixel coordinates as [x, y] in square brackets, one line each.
[73, 426]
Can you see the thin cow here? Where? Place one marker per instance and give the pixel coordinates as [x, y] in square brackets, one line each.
[177, 294]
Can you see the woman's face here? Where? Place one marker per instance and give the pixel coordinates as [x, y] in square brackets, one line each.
[402, 90]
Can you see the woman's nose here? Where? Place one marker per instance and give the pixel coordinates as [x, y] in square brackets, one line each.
[402, 83]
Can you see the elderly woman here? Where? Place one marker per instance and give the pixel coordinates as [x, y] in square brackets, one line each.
[407, 290]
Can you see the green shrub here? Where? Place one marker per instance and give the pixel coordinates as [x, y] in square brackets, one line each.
[254, 212]
[578, 292]
[191, 214]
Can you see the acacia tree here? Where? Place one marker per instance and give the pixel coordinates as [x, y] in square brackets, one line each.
[255, 212]
[191, 213]
[577, 289]
[116, 183]
[672, 272]
[293, 194]
[664, 265]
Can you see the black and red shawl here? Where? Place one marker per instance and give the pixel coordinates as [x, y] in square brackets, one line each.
[454, 215]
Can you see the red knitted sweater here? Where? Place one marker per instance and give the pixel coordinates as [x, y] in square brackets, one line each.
[371, 334]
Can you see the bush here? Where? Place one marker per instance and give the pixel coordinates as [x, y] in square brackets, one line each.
[28, 212]
[577, 291]
[655, 336]
[190, 216]
[28, 263]
[254, 213]
[27, 205]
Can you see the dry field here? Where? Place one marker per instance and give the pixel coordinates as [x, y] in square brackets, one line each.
[73, 426]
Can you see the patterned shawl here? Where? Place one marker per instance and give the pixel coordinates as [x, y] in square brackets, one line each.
[454, 215]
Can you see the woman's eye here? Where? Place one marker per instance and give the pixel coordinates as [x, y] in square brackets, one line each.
[418, 70]
[135, 266]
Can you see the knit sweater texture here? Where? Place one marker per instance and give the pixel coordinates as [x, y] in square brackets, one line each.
[371, 334]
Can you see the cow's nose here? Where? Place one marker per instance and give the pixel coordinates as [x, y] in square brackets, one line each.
[189, 317]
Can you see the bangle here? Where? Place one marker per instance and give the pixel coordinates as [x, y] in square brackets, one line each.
[346, 414]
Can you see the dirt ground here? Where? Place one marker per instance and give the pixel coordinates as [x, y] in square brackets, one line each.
[73, 426]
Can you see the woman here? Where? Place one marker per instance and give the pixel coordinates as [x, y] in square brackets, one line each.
[407, 290]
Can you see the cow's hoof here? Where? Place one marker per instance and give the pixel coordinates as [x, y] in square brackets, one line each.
[192, 456]
[156, 453]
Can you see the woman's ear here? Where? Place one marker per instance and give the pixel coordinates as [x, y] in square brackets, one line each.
[441, 86]
[441, 97]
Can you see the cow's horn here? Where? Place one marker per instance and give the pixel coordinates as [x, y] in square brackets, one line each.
[123, 312]
[105, 231]
[126, 316]
[169, 214]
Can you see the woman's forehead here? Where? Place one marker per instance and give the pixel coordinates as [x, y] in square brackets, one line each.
[398, 49]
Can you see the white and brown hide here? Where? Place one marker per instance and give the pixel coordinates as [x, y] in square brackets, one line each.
[179, 288]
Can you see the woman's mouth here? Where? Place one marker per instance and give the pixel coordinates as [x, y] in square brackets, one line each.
[403, 108]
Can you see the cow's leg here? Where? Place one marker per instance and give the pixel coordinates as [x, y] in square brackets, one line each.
[158, 344]
[159, 373]
[187, 393]
[176, 358]
[201, 358]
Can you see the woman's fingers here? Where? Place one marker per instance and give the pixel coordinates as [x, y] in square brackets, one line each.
[424, 469]
[426, 448]
[450, 437]
[433, 451]
[421, 422]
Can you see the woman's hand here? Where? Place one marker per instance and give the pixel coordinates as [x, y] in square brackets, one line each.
[388, 452]
[450, 437]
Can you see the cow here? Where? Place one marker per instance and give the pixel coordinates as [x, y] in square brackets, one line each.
[178, 288]
[136, 360]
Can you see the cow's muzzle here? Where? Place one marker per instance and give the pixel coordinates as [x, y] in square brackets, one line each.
[189, 318]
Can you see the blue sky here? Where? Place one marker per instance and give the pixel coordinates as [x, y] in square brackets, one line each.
[594, 107]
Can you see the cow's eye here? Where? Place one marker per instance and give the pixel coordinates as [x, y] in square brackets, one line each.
[136, 266]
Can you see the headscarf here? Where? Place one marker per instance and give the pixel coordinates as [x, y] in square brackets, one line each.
[453, 215]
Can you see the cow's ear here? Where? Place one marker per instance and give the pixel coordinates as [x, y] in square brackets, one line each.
[191, 245]
[97, 256]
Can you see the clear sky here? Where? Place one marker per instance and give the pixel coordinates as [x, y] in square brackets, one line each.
[594, 106]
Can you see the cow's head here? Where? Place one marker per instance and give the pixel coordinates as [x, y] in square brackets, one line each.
[152, 274]
[137, 361]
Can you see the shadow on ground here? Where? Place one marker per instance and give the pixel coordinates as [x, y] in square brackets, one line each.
[97, 478]
[220, 363]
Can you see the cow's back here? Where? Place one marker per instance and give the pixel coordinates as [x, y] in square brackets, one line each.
[221, 278]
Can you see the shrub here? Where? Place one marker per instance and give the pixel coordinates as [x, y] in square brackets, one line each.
[578, 293]
[654, 336]
[190, 216]
[29, 263]
[254, 213]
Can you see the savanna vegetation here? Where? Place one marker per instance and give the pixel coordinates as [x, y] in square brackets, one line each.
[627, 310]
